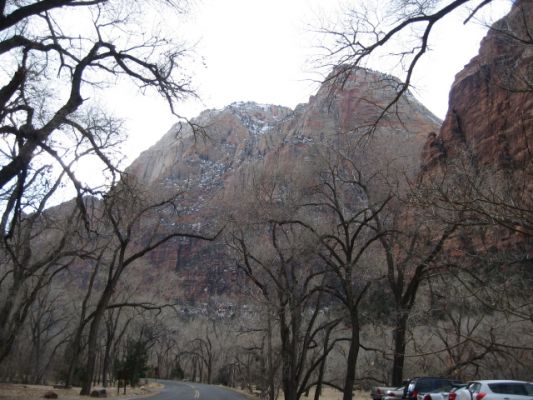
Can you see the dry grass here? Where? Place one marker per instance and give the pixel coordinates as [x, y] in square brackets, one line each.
[10, 391]
[332, 394]
[33, 392]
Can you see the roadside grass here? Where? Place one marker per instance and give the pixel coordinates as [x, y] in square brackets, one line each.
[332, 394]
[12, 391]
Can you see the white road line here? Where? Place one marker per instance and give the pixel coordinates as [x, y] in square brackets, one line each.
[196, 391]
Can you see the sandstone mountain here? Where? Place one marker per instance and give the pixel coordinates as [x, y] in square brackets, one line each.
[490, 112]
[484, 147]
[489, 121]
[209, 163]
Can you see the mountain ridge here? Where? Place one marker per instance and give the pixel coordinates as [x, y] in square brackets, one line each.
[233, 142]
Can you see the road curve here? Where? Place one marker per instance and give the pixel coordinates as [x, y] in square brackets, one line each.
[175, 390]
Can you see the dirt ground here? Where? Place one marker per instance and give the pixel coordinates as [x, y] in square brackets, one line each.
[10, 391]
[332, 394]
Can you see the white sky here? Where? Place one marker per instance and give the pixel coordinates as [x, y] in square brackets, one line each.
[259, 50]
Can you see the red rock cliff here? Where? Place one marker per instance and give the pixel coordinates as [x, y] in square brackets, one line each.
[490, 112]
[483, 153]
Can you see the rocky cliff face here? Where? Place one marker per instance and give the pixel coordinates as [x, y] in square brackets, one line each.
[490, 113]
[210, 163]
[489, 126]
[245, 132]
[484, 147]
[220, 142]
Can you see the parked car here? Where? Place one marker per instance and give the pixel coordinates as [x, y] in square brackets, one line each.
[443, 393]
[424, 384]
[495, 390]
[394, 394]
[379, 392]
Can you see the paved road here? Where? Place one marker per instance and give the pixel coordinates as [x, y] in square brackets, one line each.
[194, 391]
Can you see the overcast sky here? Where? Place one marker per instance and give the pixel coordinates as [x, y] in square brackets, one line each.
[260, 50]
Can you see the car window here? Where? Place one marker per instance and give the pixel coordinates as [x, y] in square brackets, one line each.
[529, 388]
[509, 388]
[426, 385]
[474, 387]
[456, 386]
[442, 388]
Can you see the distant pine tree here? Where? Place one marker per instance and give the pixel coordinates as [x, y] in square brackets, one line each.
[134, 365]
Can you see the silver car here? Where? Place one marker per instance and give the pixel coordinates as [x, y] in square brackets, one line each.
[394, 394]
[494, 390]
[443, 393]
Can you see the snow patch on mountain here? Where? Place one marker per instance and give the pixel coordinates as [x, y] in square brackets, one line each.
[259, 118]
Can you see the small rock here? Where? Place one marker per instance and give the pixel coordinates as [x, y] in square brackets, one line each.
[50, 395]
[99, 393]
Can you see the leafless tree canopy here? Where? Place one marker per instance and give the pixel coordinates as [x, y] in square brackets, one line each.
[58, 57]
[397, 32]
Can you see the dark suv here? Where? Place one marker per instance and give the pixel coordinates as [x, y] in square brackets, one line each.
[424, 384]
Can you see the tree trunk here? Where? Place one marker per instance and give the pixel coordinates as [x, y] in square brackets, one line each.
[290, 390]
[105, 366]
[270, 364]
[349, 380]
[93, 339]
[8, 329]
[107, 354]
[98, 368]
[399, 347]
[91, 356]
[289, 379]
[36, 359]
[75, 350]
[76, 344]
[318, 388]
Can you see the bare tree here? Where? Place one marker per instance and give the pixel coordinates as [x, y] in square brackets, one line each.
[50, 123]
[40, 246]
[279, 258]
[413, 244]
[473, 191]
[45, 334]
[285, 283]
[344, 214]
[38, 45]
[401, 30]
[125, 236]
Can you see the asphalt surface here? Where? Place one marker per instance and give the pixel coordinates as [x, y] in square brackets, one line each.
[175, 390]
